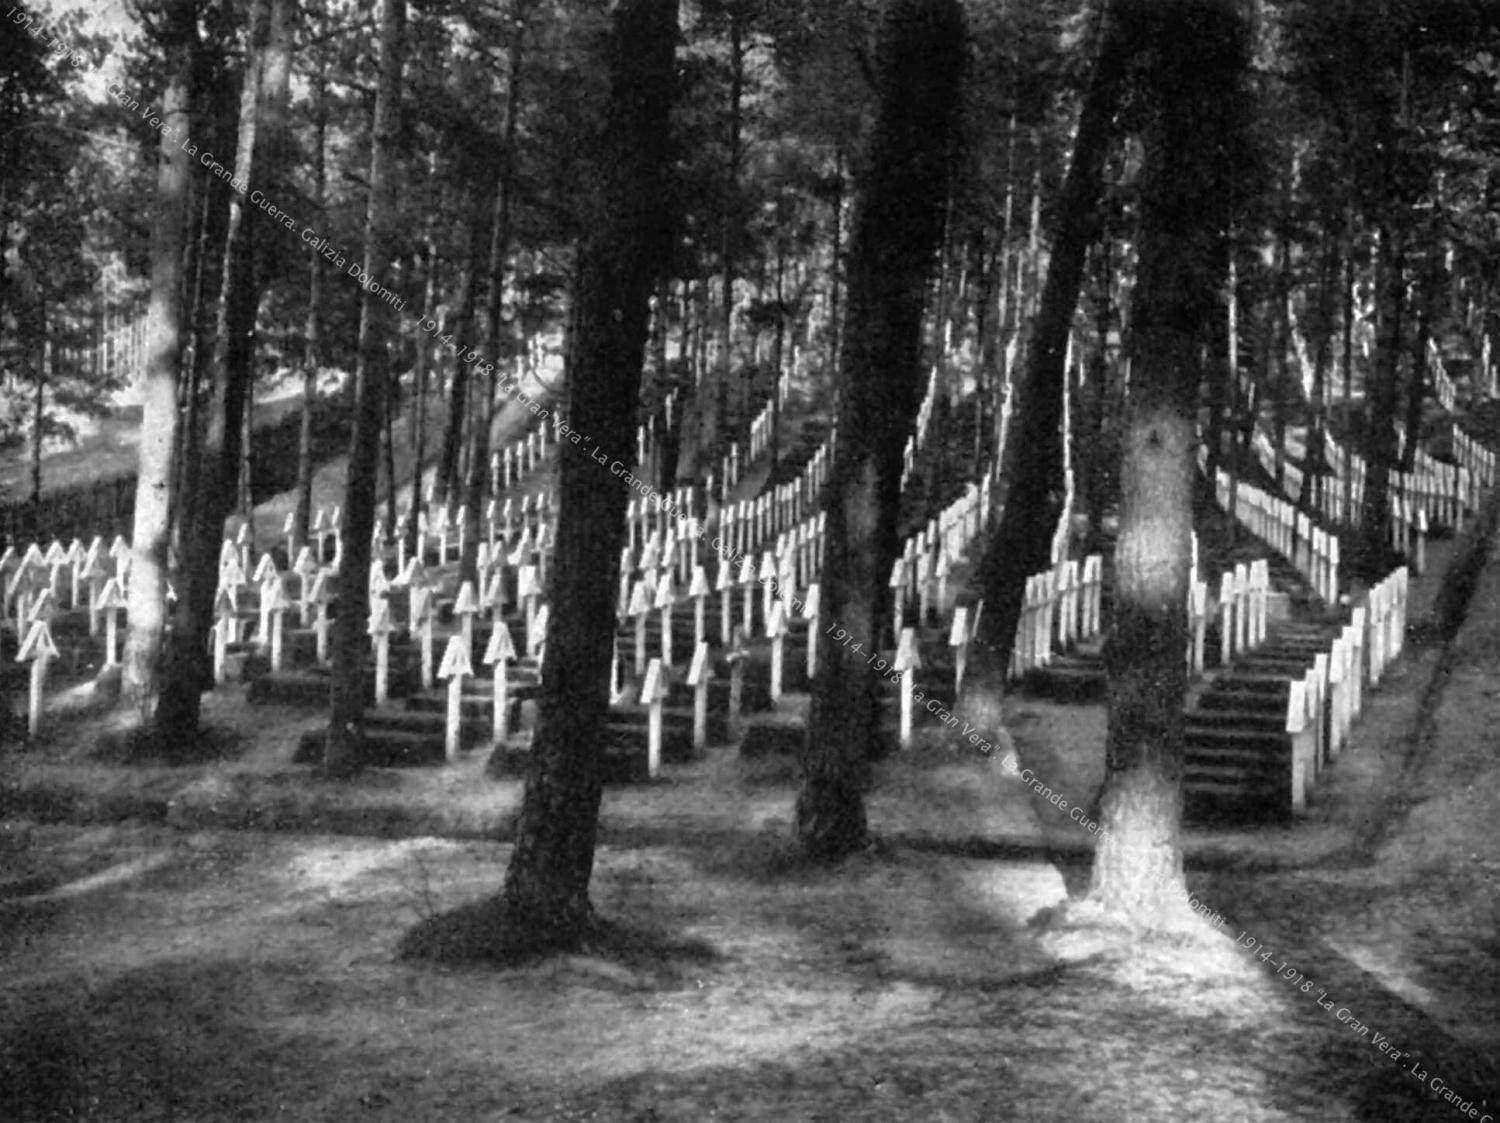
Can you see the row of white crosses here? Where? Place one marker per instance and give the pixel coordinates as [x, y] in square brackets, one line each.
[1432, 487]
[760, 427]
[1244, 594]
[645, 517]
[1290, 532]
[747, 525]
[1408, 531]
[1060, 606]
[506, 520]
[1323, 705]
[511, 464]
[1448, 490]
[922, 575]
[324, 524]
[74, 568]
[273, 603]
[1476, 458]
[1386, 606]
[1443, 388]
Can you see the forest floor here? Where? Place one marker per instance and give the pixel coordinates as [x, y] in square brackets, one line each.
[158, 965]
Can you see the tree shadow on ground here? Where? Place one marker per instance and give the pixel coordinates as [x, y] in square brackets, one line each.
[484, 933]
[176, 1040]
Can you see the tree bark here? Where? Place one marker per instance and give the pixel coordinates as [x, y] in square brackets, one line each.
[728, 227]
[43, 362]
[479, 462]
[1416, 390]
[262, 109]
[1380, 424]
[147, 607]
[897, 230]
[545, 896]
[313, 342]
[458, 387]
[1022, 542]
[1192, 83]
[371, 376]
[421, 366]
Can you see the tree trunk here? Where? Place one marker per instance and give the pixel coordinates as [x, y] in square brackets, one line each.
[1317, 427]
[728, 232]
[372, 373]
[1096, 452]
[147, 607]
[836, 266]
[1280, 346]
[388, 447]
[479, 462]
[898, 226]
[313, 343]
[39, 414]
[262, 109]
[1382, 394]
[1192, 85]
[458, 388]
[1022, 542]
[545, 895]
[421, 364]
[1426, 294]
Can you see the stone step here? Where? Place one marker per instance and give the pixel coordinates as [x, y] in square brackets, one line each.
[1207, 741]
[1273, 719]
[1257, 702]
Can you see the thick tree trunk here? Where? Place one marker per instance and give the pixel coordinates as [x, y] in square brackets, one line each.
[1021, 545]
[898, 226]
[262, 109]
[147, 608]
[545, 896]
[371, 376]
[1192, 85]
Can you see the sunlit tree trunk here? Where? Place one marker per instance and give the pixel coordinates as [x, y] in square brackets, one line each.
[147, 608]
[371, 377]
[546, 891]
[898, 224]
[1192, 83]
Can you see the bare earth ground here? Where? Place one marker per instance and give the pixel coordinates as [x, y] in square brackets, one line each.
[158, 965]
